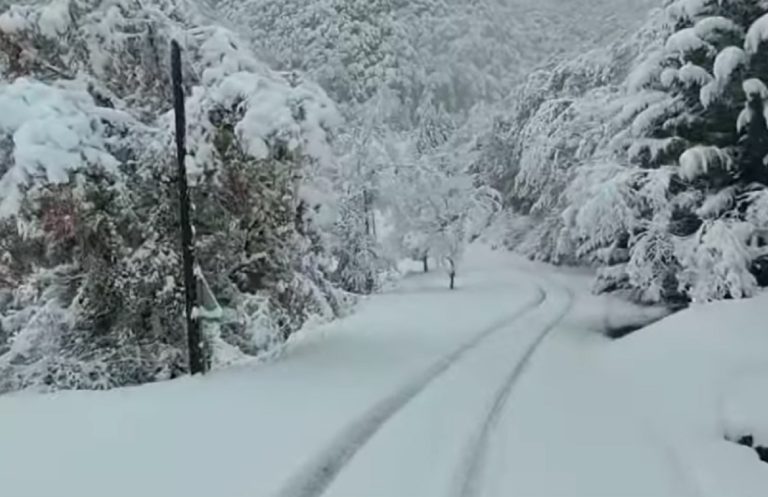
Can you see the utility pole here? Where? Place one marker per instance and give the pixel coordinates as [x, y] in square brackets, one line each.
[194, 335]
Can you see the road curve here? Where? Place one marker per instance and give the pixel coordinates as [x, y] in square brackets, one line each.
[474, 458]
[316, 476]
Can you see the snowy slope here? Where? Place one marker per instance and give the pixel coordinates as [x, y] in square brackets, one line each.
[480, 392]
[543, 29]
[461, 53]
[655, 414]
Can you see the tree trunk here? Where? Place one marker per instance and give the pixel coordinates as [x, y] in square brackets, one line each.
[755, 143]
[452, 273]
[425, 260]
[194, 336]
[370, 227]
[370, 232]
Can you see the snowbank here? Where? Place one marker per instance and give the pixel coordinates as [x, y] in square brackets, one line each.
[656, 414]
[699, 379]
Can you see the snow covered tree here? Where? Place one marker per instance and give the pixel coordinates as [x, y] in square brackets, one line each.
[438, 206]
[711, 106]
[87, 203]
[359, 260]
[435, 125]
[687, 108]
[347, 46]
[636, 157]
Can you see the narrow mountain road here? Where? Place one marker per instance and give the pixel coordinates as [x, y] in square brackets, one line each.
[485, 391]
[321, 472]
[457, 430]
[441, 436]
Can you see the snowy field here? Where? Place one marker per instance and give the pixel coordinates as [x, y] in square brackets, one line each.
[502, 388]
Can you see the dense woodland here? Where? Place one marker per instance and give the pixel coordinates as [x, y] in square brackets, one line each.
[330, 139]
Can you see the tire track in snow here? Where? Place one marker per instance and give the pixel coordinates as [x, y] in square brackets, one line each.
[474, 458]
[318, 475]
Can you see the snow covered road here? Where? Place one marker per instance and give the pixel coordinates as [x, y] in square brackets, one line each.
[502, 388]
[262, 426]
[451, 412]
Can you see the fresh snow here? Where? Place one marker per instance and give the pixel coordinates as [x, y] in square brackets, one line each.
[685, 41]
[54, 18]
[755, 86]
[707, 364]
[698, 160]
[668, 77]
[508, 386]
[54, 131]
[646, 71]
[717, 203]
[691, 74]
[689, 8]
[727, 61]
[744, 410]
[710, 28]
[55, 128]
[756, 35]
[503, 387]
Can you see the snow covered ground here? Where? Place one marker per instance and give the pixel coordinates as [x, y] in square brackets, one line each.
[502, 388]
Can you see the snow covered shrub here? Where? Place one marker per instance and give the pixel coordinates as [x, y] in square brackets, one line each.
[357, 255]
[90, 293]
[538, 243]
[717, 262]
[653, 265]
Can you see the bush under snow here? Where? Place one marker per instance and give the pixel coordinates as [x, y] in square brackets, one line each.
[89, 261]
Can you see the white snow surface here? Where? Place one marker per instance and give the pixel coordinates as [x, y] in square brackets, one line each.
[727, 61]
[699, 160]
[504, 387]
[54, 130]
[755, 86]
[691, 74]
[711, 28]
[685, 41]
[757, 34]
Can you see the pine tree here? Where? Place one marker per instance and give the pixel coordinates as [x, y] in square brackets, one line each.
[640, 157]
[706, 118]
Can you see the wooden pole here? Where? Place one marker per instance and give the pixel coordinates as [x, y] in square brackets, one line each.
[194, 336]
